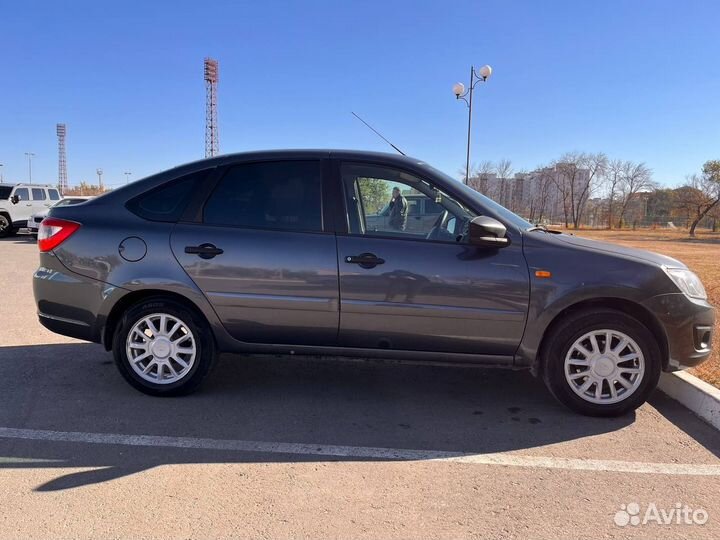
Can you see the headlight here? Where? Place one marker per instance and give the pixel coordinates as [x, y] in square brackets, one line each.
[687, 282]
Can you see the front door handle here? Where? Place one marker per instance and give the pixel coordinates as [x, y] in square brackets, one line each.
[204, 251]
[365, 260]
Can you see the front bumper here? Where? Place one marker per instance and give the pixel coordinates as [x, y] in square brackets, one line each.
[33, 225]
[688, 324]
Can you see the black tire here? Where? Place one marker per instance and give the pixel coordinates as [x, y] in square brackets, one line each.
[6, 228]
[205, 354]
[564, 335]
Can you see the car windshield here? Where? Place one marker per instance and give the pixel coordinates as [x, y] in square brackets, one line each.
[5, 192]
[499, 210]
[69, 201]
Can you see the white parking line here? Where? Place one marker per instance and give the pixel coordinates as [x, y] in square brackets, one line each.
[362, 452]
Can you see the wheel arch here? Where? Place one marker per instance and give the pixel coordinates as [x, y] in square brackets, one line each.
[633, 309]
[132, 298]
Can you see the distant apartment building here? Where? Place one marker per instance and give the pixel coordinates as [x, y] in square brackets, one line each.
[542, 195]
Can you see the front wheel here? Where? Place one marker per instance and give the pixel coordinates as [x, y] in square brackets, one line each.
[601, 363]
[162, 348]
[6, 227]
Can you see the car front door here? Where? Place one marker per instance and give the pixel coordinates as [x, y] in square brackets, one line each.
[424, 289]
[260, 253]
[23, 209]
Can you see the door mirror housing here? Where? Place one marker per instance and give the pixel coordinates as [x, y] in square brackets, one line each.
[488, 232]
[14, 199]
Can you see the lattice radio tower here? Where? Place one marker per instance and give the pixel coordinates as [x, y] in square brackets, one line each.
[62, 159]
[212, 139]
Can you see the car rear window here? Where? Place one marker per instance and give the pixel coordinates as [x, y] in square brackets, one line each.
[168, 201]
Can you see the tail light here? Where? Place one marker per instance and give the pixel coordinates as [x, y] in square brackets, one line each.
[54, 231]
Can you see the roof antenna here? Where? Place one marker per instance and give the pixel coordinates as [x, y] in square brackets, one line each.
[379, 134]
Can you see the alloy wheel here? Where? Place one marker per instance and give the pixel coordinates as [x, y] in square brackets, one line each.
[161, 348]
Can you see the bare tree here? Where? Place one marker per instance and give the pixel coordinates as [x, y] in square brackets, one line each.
[613, 177]
[577, 176]
[701, 193]
[542, 179]
[480, 176]
[596, 166]
[563, 178]
[635, 178]
[504, 171]
[518, 191]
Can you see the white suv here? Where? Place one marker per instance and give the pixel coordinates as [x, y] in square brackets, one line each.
[19, 201]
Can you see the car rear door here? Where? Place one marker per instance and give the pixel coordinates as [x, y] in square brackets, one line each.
[422, 289]
[40, 199]
[260, 251]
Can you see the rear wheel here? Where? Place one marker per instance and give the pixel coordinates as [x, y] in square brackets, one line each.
[601, 363]
[162, 348]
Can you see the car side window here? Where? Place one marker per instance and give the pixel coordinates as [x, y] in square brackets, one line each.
[38, 194]
[22, 194]
[54, 194]
[383, 201]
[167, 202]
[278, 195]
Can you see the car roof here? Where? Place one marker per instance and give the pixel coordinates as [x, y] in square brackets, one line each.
[300, 153]
[24, 185]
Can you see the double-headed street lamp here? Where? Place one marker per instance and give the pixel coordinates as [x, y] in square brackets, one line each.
[466, 94]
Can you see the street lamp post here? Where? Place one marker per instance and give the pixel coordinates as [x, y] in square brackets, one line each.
[127, 176]
[466, 95]
[30, 155]
[100, 182]
[1, 173]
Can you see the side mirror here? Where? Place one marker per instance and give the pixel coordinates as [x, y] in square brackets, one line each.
[14, 199]
[488, 232]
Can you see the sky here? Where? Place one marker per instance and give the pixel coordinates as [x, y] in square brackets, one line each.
[636, 79]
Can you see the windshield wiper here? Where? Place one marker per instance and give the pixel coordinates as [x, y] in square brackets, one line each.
[542, 228]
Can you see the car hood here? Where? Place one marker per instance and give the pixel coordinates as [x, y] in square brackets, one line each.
[615, 249]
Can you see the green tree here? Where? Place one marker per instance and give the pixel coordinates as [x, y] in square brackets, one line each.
[375, 194]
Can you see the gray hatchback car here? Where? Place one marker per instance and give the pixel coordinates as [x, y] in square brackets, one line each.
[269, 252]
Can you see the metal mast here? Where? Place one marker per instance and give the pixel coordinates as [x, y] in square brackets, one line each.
[212, 140]
[62, 159]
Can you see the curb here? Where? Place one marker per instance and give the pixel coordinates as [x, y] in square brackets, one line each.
[700, 397]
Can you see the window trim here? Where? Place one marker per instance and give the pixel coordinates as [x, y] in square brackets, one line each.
[344, 203]
[198, 213]
[129, 204]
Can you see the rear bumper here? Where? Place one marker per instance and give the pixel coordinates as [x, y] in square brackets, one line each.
[71, 304]
[688, 325]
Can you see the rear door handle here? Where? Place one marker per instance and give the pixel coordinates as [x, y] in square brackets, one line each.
[204, 251]
[365, 260]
